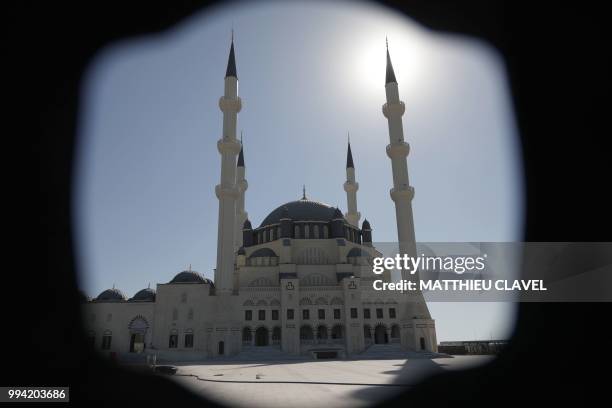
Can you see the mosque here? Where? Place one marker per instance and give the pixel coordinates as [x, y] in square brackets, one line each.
[299, 283]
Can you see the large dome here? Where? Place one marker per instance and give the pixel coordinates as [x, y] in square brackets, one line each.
[302, 210]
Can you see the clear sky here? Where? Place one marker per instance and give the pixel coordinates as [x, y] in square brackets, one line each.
[147, 162]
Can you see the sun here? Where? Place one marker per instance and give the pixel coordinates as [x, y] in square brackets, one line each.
[409, 57]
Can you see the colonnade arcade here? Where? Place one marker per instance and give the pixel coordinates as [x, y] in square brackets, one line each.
[261, 336]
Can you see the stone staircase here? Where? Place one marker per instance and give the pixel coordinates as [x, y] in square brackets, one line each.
[262, 353]
[394, 351]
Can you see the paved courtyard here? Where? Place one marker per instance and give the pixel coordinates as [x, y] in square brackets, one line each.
[332, 383]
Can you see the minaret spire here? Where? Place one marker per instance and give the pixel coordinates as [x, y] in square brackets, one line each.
[351, 187]
[231, 61]
[241, 154]
[390, 77]
[242, 185]
[349, 156]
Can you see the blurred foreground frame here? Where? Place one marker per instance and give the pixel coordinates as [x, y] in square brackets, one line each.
[546, 61]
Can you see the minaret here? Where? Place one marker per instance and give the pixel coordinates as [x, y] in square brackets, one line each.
[241, 183]
[227, 192]
[402, 192]
[397, 150]
[351, 187]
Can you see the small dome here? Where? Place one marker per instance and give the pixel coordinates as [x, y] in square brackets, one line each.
[111, 295]
[145, 295]
[263, 253]
[247, 225]
[337, 213]
[366, 225]
[241, 251]
[190, 277]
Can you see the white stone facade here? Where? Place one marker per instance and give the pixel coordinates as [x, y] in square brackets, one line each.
[301, 282]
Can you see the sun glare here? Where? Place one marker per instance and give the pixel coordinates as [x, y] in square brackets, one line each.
[408, 55]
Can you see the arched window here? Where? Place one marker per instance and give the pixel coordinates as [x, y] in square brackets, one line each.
[190, 314]
[221, 348]
[315, 232]
[247, 336]
[188, 341]
[107, 337]
[296, 232]
[278, 232]
[272, 231]
[306, 231]
[325, 232]
[173, 339]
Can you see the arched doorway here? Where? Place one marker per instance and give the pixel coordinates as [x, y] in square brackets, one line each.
[337, 334]
[322, 334]
[221, 349]
[306, 334]
[380, 335]
[395, 333]
[276, 335]
[138, 328]
[261, 336]
[247, 336]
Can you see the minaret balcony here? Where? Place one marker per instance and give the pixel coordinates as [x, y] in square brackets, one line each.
[227, 145]
[351, 186]
[242, 185]
[398, 149]
[230, 104]
[395, 109]
[222, 191]
[404, 192]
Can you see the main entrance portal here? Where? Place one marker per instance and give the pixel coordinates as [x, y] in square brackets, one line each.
[261, 336]
[380, 335]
